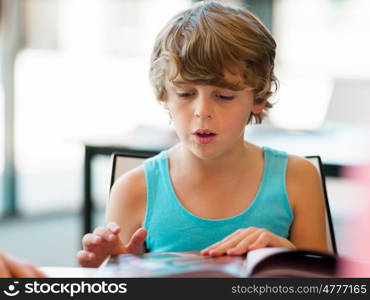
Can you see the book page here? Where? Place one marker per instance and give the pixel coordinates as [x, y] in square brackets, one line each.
[255, 256]
[173, 264]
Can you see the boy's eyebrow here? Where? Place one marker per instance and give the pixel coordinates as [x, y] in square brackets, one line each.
[179, 82]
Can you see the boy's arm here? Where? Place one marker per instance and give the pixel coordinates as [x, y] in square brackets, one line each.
[306, 196]
[124, 215]
[127, 203]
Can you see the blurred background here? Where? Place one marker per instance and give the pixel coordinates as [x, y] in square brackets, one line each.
[74, 73]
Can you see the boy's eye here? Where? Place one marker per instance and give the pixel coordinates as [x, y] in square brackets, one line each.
[227, 98]
[184, 95]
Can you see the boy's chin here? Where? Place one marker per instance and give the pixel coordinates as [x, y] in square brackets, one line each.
[206, 153]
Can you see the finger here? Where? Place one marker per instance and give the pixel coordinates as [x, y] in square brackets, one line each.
[85, 258]
[262, 241]
[233, 240]
[28, 270]
[18, 268]
[90, 240]
[244, 245]
[113, 227]
[223, 247]
[136, 243]
[105, 233]
[95, 250]
[91, 262]
[206, 250]
[226, 239]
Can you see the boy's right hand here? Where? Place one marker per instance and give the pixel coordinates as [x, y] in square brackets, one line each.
[105, 241]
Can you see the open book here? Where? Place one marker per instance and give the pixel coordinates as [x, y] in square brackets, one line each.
[265, 262]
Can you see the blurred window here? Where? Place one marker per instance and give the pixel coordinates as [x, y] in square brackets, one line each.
[321, 44]
[82, 73]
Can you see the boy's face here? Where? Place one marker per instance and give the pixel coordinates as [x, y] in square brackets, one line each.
[198, 109]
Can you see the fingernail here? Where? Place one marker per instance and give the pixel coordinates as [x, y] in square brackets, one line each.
[90, 256]
[110, 237]
[96, 239]
[113, 227]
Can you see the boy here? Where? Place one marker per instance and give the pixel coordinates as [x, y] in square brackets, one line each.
[212, 68]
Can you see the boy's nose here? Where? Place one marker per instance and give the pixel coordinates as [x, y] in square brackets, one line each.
[208, 116]
[204, 109]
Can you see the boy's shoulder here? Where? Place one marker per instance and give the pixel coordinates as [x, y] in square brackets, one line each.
[131, 185]
[301, 173]
[300, 166]
[296, 164]
[302, 181]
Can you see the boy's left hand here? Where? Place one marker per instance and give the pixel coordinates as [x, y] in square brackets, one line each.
[245, 239]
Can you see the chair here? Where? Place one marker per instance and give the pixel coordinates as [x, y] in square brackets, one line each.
[330, 236]
[125, 161]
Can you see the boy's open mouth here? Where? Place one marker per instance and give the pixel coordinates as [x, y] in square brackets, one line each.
[204, 136]
[204, 133]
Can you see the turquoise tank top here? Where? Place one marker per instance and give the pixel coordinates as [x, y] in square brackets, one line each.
[171, 227]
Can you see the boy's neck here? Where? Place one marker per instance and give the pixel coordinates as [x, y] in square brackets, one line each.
[235, 159]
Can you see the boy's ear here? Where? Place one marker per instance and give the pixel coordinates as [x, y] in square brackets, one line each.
[258, 107]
